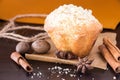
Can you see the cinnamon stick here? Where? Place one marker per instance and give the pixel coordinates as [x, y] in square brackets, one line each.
[15, 56]
[109, 58]
[112, 48]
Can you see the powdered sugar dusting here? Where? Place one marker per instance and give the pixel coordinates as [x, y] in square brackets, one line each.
[70, 15]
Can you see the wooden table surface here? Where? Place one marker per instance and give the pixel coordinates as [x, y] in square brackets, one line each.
[9, 70]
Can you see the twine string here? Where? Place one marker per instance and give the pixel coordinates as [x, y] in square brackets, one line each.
[8, 30]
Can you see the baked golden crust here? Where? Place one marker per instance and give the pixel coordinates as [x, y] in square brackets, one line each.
[76, 34]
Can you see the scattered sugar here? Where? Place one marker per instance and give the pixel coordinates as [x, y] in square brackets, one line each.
[62, 79]
[38, 67]
[80, 76]
[58, 72]
[58, 75]
[72, 75]
[93, 78]
[37, 74]
[47, 77]
[78, 79]
[114, 77]
[32, 77]
[62, 71]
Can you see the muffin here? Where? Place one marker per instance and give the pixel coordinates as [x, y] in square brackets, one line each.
[73, 29]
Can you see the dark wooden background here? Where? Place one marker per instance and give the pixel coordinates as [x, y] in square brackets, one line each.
[9, 70]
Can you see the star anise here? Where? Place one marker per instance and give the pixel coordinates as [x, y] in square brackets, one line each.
[84, 65]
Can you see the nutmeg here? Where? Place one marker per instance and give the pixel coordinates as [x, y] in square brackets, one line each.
[22, 47]
[40, 46]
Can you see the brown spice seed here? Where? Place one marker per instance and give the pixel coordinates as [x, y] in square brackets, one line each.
[22, 47]
[40, 46]
[65, 55]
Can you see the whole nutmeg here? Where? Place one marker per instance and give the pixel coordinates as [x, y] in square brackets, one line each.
[22, 47]
[41, 46]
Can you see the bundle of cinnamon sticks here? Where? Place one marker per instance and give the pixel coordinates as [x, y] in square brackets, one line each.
[111, 53]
